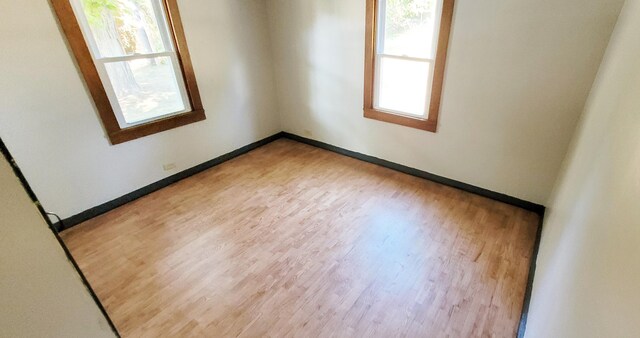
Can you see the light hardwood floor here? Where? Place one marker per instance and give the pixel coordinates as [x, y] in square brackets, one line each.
[292, 240]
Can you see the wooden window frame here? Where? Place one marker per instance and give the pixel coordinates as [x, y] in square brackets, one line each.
[80, 49]
[431, 122]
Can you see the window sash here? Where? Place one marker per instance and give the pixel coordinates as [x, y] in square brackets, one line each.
[160, 14]
[111, 94]
[100, 62]
[80, 48]
[135, 56]
[380, 53]
[376, 91]
[374, 52]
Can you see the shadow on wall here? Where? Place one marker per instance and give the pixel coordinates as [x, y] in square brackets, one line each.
[228, 55]
[321, 81]
[243, 39]
[331, 79]
[319, 88]
[588, 270]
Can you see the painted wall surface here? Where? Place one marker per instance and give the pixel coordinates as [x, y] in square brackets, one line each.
[587, 281]
[48, 121]
[517, 77]
[41, 294]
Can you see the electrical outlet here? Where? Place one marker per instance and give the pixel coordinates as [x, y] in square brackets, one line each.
[168, 166]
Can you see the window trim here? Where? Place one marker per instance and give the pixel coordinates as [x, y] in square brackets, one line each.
[80, 49]
[371, 40]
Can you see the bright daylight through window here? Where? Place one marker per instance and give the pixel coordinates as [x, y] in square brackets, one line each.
[135, 57]
[406, 50]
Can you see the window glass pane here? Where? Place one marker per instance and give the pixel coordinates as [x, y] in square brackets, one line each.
[409, 27]
[124, 27]
[402, 85]
[145, 88]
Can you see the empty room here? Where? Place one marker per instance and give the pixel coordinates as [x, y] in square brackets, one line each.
[320, 168]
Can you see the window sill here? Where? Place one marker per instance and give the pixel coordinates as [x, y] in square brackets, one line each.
[407, 121]
[157, 126]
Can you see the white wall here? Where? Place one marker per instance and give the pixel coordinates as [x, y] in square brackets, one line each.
[48, 121]
[41, 295]
[587, 281]
[517, 77]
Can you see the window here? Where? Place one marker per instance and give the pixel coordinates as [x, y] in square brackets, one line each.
[134, 58]
[406, 47]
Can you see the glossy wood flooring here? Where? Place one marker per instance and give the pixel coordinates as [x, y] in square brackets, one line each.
[292, 240]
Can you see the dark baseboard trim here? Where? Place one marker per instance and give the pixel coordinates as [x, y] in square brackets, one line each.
[16, 170]
[108, 206]
[103, 208]
[522, 326]
[537, 208]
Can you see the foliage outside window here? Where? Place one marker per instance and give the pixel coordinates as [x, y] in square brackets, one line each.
[140, 74]
[405, 56]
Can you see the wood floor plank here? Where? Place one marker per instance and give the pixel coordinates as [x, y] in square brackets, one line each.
[294, 241]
